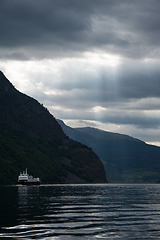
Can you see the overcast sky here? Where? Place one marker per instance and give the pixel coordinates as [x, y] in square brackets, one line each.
[90, 62]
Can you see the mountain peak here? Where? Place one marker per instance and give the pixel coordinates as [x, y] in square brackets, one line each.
[25, 113]
[1, 73]
[30, 136]
[2, 77]
[5, 84]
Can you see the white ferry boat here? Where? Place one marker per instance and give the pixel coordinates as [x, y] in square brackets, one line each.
[26, 179]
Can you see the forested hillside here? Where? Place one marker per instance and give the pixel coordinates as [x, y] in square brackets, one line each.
[31, 137]
[125, 158]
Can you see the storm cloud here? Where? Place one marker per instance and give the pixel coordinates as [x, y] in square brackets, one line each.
[40, 29]
[89, 62]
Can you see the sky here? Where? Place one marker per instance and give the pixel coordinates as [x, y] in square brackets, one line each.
[91, 62]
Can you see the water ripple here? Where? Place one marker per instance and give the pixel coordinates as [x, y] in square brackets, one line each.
[111, 211]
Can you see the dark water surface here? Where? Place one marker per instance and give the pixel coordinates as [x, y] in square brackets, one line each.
[107, 211]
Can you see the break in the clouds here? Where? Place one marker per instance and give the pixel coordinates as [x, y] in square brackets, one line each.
[90, 62]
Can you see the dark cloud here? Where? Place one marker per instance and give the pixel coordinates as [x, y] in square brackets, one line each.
[52, 28]
[41, 22]
[91, 60]
[136, 118]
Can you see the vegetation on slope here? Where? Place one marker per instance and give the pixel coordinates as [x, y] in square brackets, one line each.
[31, 137]
[125, 158]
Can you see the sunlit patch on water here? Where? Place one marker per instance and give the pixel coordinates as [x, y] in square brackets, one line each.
[107, 211]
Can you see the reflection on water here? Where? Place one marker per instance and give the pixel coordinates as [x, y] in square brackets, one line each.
[107, 211]
[26, 194]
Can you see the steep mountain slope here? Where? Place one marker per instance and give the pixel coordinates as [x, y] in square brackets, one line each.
[125, 158]
[31, 137]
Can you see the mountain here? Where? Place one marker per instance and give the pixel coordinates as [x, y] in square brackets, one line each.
[31, 137]
[126, 159]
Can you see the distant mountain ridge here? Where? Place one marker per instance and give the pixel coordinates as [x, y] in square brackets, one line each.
[31, 137]
[126, 159]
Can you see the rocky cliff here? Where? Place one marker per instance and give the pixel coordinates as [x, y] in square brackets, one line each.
[31, 137]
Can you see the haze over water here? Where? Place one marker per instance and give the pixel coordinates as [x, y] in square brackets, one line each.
[100, 211]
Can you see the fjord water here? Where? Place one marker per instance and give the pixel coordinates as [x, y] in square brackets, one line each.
[100, 211]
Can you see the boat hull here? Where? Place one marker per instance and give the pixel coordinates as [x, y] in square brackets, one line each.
[29, 183]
